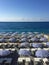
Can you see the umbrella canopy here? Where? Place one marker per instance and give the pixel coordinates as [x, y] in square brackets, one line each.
[36, 32]
[7, 34]
[30, 36]
[43, 39]
[15, 33]
[24, 44]
[24, 52]
[37, 45]
[23, 36]
[1, 34]
[22, 33]
[2, 40]
[12, 40]
[23, 40]
[29, 33]
[42, 53]
[4, 52]
[47, 44]
[34, 39]
[39, 35]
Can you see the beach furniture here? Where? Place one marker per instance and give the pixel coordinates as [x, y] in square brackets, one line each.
[23, 40]
[37, 45]
[42, 53]
[43, 39]
[23, 35]
[4, 52]
[38, 61]
[47, 44]
[9, 56]
[13, 40]
[24, 52]
[2, 40]
[25, 45]
[25, 60]
[34, 39]
[31, 35]
[7, 35]
[40, 35]
[14, 34]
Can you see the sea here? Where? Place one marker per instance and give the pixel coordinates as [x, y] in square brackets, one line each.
[24, 27]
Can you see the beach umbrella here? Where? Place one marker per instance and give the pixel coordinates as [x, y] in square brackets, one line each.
[37, 45]
[24, 44]
[43, 39]
[39, 35]
[46, 36]
[2, 40]
[1, 35]
[12, 40]
[23, 36]
[34, 39]
[30, 36]
[7, 35]
[47, 44]
[23, 40]
[14, 34]
[29, 33]
[24, 52]
[4, 52]
[36, 32]
[42, 53]
[23, 33]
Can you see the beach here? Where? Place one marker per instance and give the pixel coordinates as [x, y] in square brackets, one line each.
[26, 44]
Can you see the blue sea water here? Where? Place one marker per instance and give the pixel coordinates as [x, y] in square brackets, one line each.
[24, 27]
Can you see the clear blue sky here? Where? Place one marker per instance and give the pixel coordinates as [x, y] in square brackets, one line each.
[24, 10]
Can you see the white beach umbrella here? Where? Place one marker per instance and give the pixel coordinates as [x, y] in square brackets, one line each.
[36, 32]
[37, 45]
[23, 36]
[43, 39]
[2, 40]
[12, 40]
[14, 34]
[34, 39]
[47, 44]
[6, 35]
[30, 36]
[24, 52]
[4, 52]
[23, 40]
[42, 53]
[24, 44]
[23, 33]
[29, 33]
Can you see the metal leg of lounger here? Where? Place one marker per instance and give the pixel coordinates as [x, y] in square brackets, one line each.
[23, 62]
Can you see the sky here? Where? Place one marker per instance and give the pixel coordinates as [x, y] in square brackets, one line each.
[24, 10]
